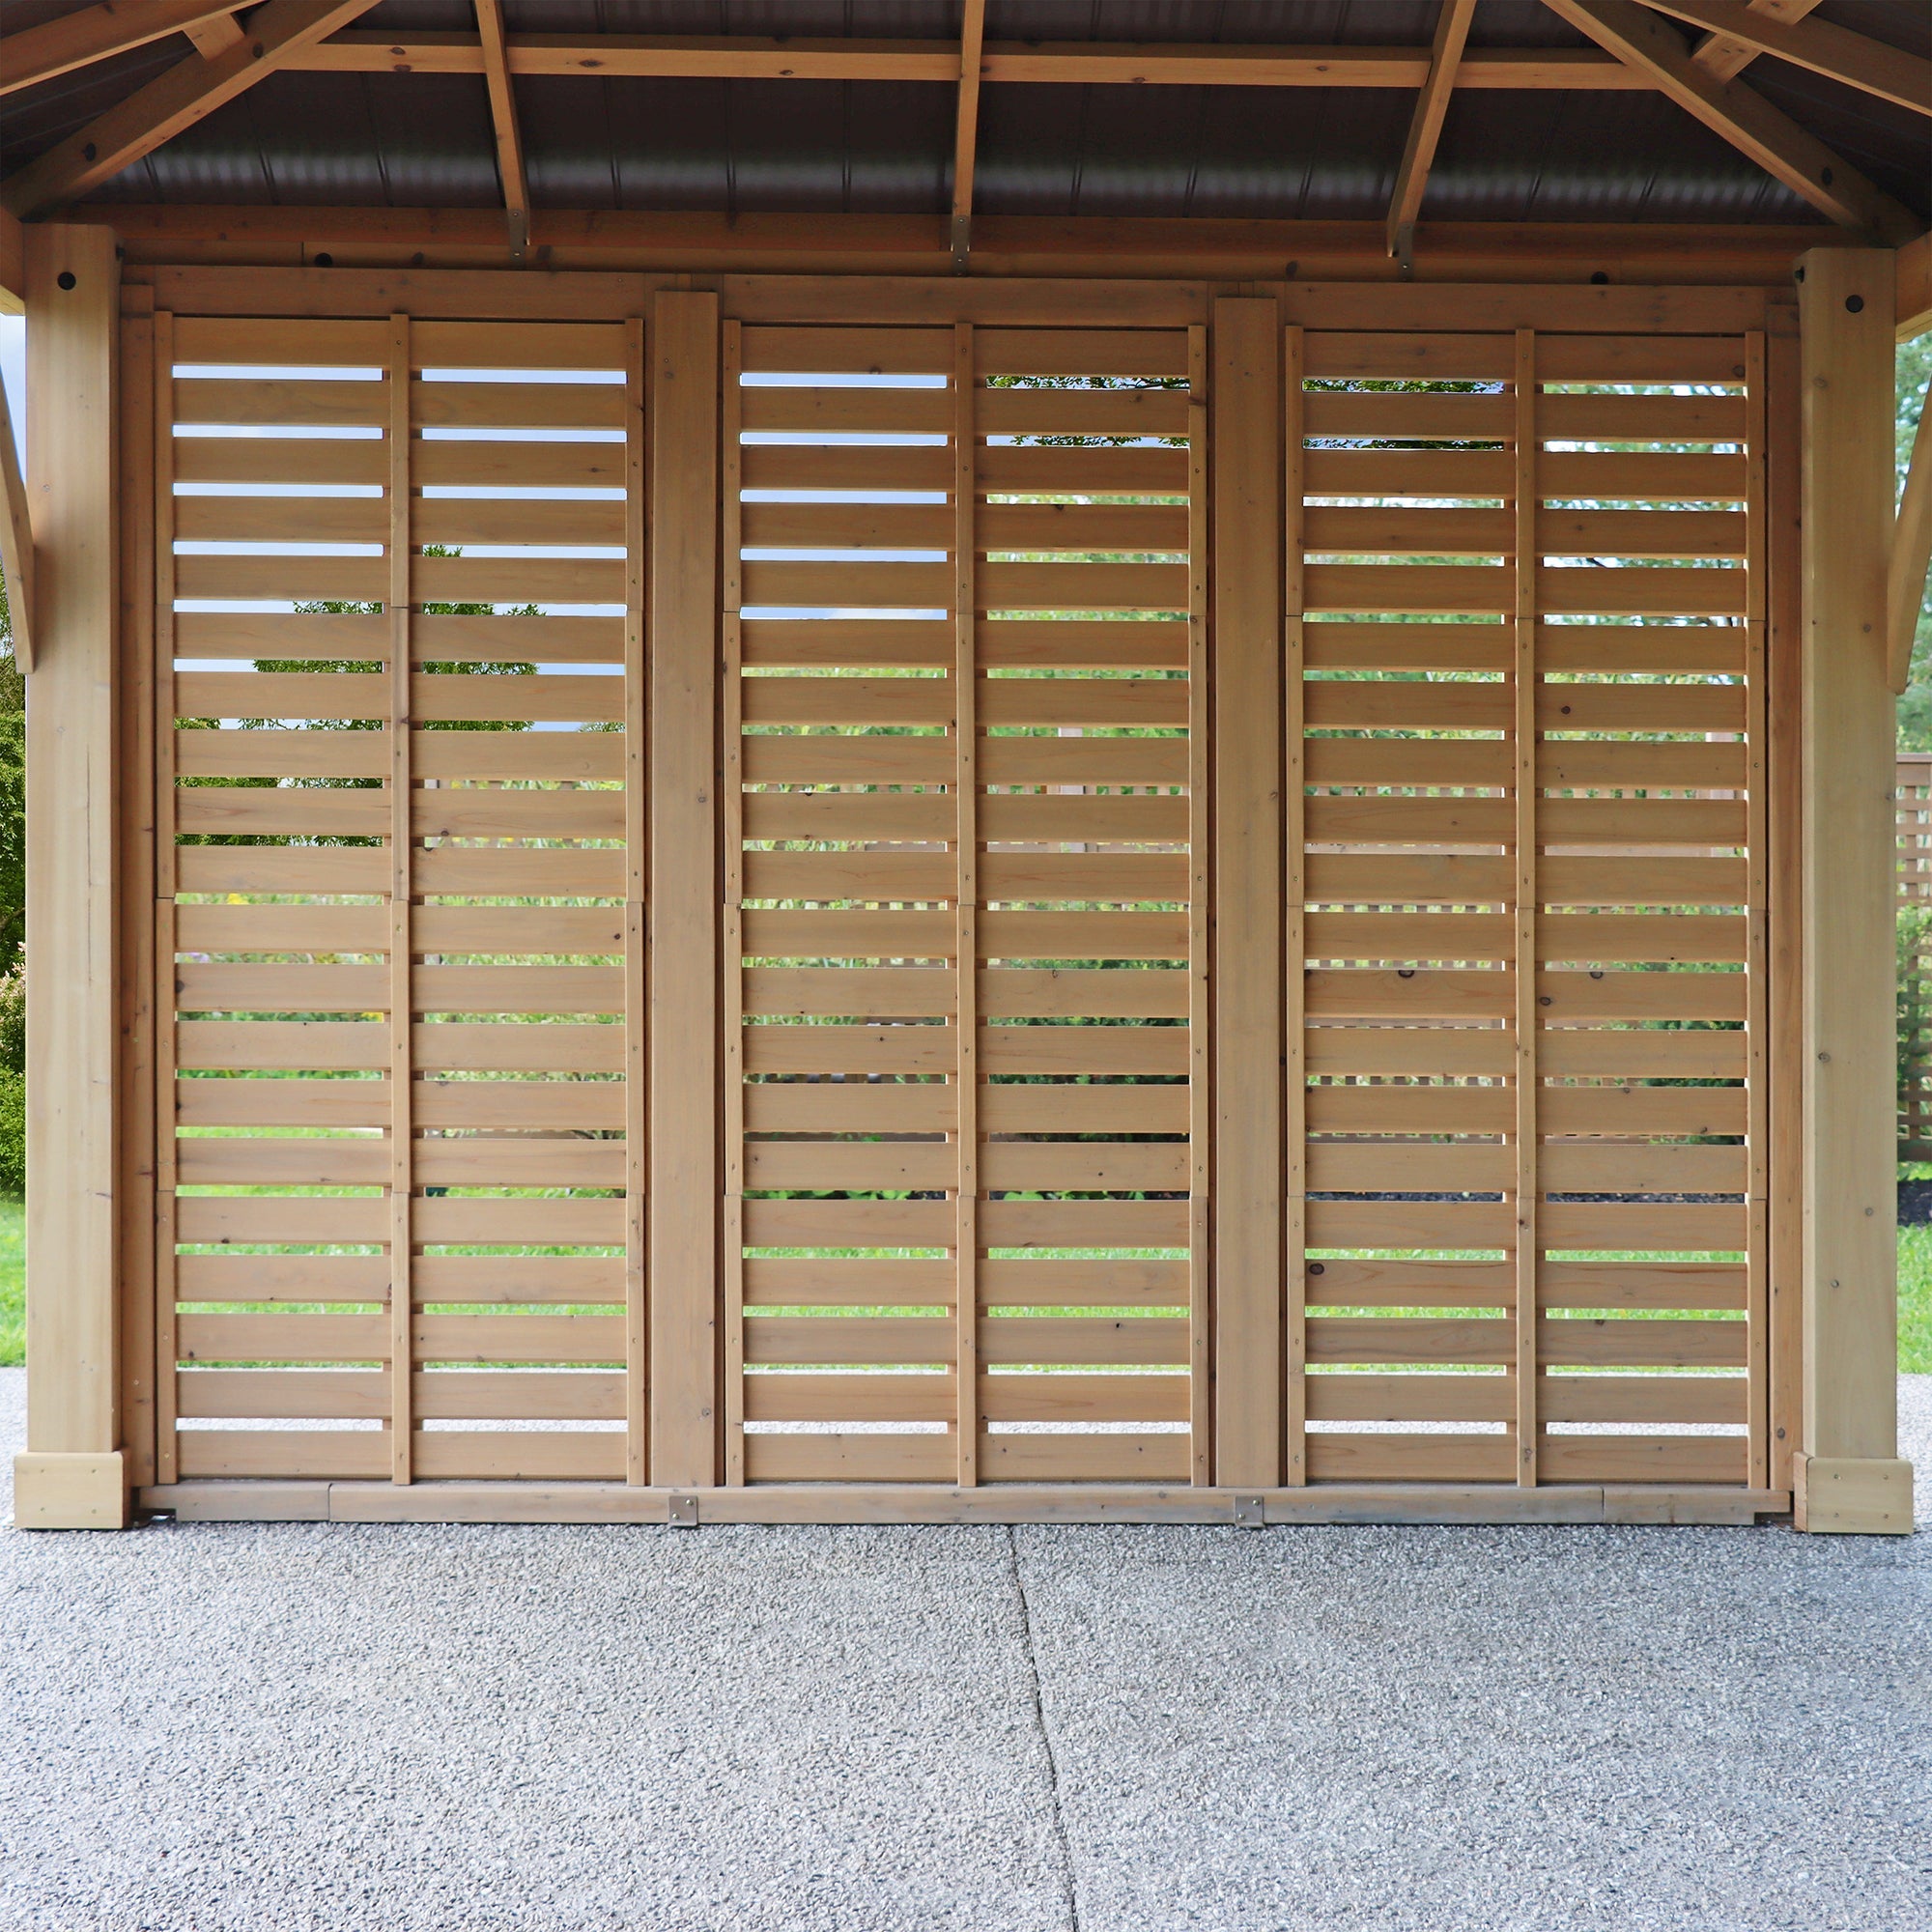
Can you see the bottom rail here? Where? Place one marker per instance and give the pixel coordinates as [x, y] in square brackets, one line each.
[914, 1504]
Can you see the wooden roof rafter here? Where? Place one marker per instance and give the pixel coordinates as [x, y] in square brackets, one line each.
[186, 93]
[1425, 129]
[1890, 73]
[1743, 118]
[78, 40]
[504, 124]
[966, 132]
[1727, 58]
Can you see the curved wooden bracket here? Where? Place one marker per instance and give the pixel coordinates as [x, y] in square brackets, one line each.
[16, 542]
[1911, 555]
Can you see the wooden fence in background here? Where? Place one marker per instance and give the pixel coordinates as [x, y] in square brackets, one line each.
[1914, 957]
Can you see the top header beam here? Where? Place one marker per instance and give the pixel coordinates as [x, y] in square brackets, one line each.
[941, 300]
[748, 57]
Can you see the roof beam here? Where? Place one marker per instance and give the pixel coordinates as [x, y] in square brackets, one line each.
[1452, 31]
[213, 37]
[746, 57]
[1913, 302]
[1911, 551]
[966, 130]
[504, 118]
[16, 542]
[78, 40]
[13, 265]
[1749, 121]
[176, 100]
[1870, 66]
[1727, 58]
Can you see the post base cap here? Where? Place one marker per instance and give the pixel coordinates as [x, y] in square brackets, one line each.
[62, 1490]
[1852, 1496]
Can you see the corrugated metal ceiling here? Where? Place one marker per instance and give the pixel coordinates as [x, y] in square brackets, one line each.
[749, 145]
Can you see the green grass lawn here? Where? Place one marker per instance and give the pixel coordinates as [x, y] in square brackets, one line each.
[1914, 1292]
[13, 1281]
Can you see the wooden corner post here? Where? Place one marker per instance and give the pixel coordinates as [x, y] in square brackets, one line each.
[72, 1475]
[684, 891]
[1848, 1475]
[1249, 594]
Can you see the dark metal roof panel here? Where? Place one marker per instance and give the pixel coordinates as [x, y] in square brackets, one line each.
[750, 146]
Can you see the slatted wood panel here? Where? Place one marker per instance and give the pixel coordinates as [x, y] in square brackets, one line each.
[392, 878]
[1534, 910]
[967, 1161]
[964, 792]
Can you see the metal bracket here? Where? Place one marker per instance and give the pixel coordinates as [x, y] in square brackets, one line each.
[1250, 1513]
[683, 1512]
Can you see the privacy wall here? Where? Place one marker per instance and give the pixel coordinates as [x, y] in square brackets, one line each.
[765, 901]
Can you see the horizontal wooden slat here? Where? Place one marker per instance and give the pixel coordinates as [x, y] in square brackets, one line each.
[848, 1398]
[1047, 1340]
[283, 402]
[1124, 1456]
[1335, 1457]
[515, 1455]
[775, 1339]
[850, 1459]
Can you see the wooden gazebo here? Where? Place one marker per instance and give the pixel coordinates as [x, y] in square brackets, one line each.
[1174, 794]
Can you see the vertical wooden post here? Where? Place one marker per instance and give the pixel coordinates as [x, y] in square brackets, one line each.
[732, 975]
[637, 877]
[685, 891]
[134, 939]
[1784, 701]
[167, 1462]
[1247, 892]
[1295, 896]
[966, 900]
[401, 943]
[1757, 931]
[72, 1475]
[1525, 1181]
[1849, 1477]
[1200, 928]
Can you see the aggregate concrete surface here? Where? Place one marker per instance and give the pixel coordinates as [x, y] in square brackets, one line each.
[296, 1726]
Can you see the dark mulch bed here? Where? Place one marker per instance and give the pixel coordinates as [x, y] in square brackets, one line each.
[1914, 1203]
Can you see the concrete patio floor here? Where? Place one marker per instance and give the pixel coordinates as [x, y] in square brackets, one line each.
[328, 1726]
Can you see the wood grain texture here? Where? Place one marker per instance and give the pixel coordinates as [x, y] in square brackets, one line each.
[1850, 1261]
[1248, 778]
[72, 1313]
[683, 919]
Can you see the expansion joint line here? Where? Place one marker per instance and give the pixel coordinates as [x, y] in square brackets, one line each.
[1060, 1832]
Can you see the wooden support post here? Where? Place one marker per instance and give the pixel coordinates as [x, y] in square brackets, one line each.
[1248, 886]
[1526, 1182]
[1757, 931]
[731, 974]
[72, 1475]
[637, 880]
[163, 875]
[402, 945]
[1784, 701]
[134, 914]
[685, 889]
[1848, 1475]
[1294, 900]
[1199, 926]
[966, 900]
